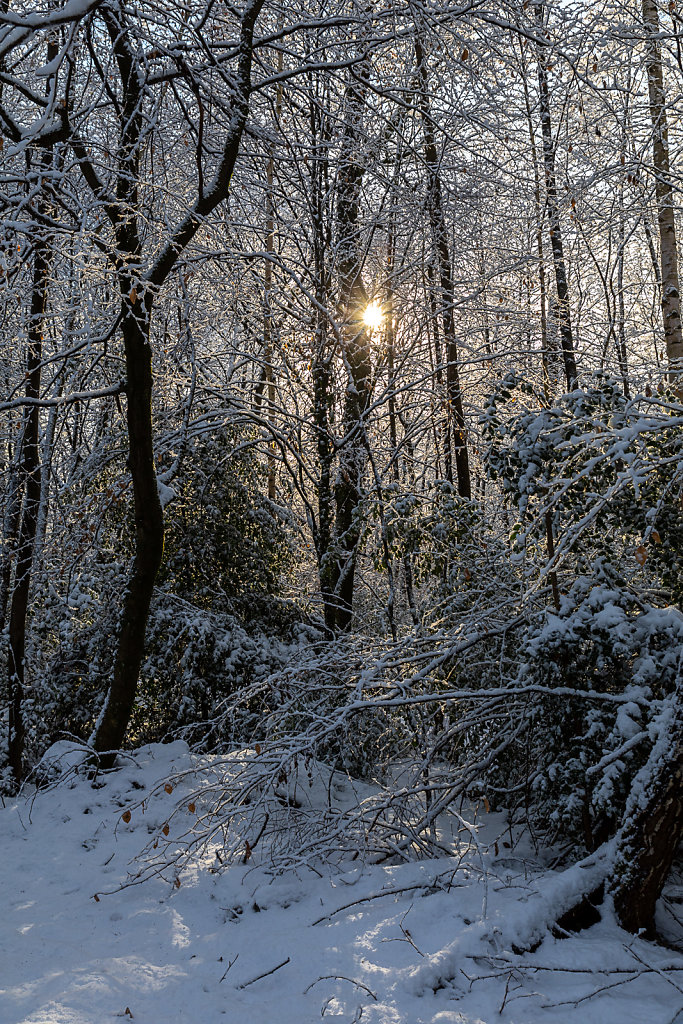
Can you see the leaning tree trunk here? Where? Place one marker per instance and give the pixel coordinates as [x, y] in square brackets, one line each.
[653, 828]
[633, 867]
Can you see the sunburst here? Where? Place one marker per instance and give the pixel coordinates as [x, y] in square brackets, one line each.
[373, 317]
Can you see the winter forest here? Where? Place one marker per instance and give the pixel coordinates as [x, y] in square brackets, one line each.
[341, 462]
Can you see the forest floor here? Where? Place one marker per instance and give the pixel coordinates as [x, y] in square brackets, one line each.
[403, 944]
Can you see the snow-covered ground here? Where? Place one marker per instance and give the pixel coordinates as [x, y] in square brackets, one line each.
[407, 944]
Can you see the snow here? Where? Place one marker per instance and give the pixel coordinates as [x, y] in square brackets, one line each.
[166, 493]
[389, 943]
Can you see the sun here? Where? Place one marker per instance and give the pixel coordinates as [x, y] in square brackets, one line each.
[373, 317]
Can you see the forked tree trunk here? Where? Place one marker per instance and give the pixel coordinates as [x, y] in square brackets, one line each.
[138, 291]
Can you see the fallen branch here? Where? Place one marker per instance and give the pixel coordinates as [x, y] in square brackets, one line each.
[265, 974]
[341, 977]
[379, 895]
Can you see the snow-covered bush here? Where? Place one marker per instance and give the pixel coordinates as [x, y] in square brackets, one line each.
[607, 470]
[457, 554]
[598, 478]
[226, 544]
[197, 662]
[216, 623]
[613, 661]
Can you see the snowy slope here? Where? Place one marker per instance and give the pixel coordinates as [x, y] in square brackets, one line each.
[406, 944]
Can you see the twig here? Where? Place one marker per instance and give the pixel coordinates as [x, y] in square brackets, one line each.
[264, 975]
[231, 962]
[408, 936]
[656, 970]
[341, 977]
[591, 995]
[677, 1018]
[377, 896]
[505, 994]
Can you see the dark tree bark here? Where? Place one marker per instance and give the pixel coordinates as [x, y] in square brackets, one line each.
[637, 862]
[323, 349]
[10, 528]
[268, 322]
[652, 833]
[356, 350]
[138, 292]
[552, 205]
[30, 469]
[456, 415]
[149, 534]
[441, 424]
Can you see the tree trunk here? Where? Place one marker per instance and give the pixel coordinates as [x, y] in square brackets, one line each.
[137, 292]
[671, 299]
[653, 830]
[438, 226]
[348, 488]
[30, 472]
[441, 425]
[321, 355]
[10, 525]
[563, 313]
[268, 327]
[638, 860]
[353, 300]
[111, 727]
